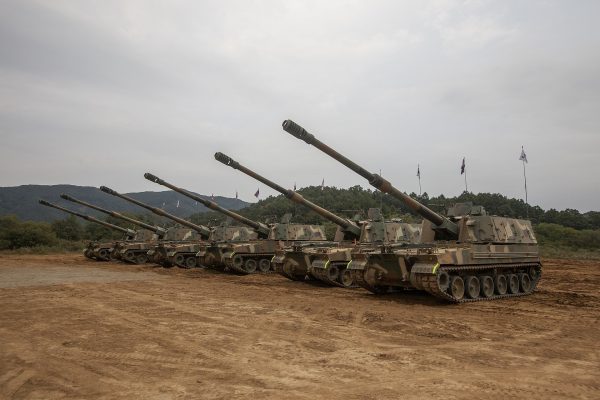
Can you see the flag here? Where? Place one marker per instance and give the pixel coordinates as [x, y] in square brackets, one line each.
[257, 193]
[462, 167]
[418, 171]
[523, 155]
[294, 186]
[212, 197]
[323, 184]
[236, 194]
[177, 204]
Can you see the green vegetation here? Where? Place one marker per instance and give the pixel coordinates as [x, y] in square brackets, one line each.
[567, 233]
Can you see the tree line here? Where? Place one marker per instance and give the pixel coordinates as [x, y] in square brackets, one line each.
[558, 228]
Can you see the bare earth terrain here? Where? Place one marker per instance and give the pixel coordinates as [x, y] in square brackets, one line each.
[74, 328]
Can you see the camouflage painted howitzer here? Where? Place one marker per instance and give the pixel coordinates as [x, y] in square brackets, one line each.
[280, 235]
[96, 250]
[296, 261]
[330, 263]
[166, 252]
[215, 252]
[130, 251]
[466, 255]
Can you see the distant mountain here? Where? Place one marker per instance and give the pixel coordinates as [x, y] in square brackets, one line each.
[22, 201]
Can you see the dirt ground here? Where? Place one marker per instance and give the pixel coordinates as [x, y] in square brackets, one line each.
[74, 328]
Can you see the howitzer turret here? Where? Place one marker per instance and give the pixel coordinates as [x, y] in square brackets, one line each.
[262, 229]
[156, 229]
[202, 230]
[441, 225]
[351, 230]
[128, 232]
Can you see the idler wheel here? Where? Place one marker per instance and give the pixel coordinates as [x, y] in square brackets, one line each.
[501, 284]
[525, 283]
[141, 259]
[346, 278]
[333, 272]
[179, 259]
[103, 254]
[443, 280]
[472, 287]
[129, 256]
[191, 262]
[513, 284]
[457, 287]
[250, 266]
[487, 286]
[264, 265]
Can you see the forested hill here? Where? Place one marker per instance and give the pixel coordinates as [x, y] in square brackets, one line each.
[346, 202]
[22, 201]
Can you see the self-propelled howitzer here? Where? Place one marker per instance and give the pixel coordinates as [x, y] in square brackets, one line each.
[464, 256]
[96, 250]
[212, 254]
[181, 254]
[132, 251]
[281, 235]
[295, 262]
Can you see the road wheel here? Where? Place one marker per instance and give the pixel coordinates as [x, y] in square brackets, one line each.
[141, 259]
[457, 287]
[501, 284]
[250, 266]
[346, 278]
[190, 262]
[472, 287]
[333, 272]
[525, 283]
[487, 286]
[103, 254]
[264, 265]
[237, 261]
[179, 259]
[513, 284]
[443, 280]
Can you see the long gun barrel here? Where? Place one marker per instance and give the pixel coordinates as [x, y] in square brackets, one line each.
[129, 232]
[157, 229]
[441, 224]
[202, 230]
[345, 224]
[262, 229]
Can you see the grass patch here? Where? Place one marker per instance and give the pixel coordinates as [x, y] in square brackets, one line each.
[552, 251]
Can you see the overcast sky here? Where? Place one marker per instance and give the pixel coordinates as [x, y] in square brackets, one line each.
[99, 92]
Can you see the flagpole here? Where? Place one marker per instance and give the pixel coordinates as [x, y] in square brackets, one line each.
[419, 176]
[380, 196]
[466, 187]
[525, 179]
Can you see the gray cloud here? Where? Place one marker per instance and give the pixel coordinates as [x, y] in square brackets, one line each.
[98, 93]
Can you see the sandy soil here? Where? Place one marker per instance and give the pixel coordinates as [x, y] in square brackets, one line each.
[73, 328]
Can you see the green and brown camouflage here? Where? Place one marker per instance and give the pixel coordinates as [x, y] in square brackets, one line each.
[329, 263]
[211, 253]
[133, 251]
[96, 250]
[465, 255]
[294, 262]
[248, 257]
[183, 253]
